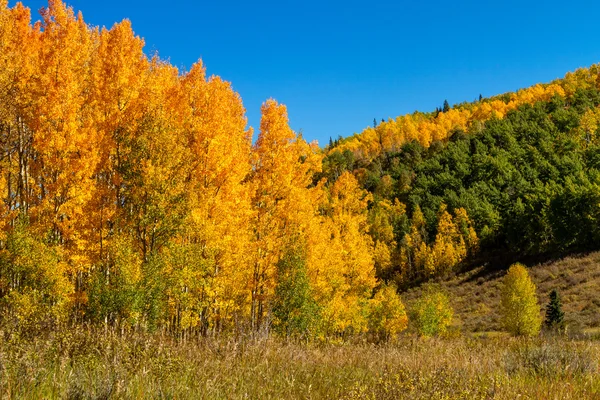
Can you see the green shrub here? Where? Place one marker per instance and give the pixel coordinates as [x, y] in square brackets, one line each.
[433, 313]
[387, 315]
[295, 312]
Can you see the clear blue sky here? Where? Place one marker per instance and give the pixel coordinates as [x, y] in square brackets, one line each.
[339, 64]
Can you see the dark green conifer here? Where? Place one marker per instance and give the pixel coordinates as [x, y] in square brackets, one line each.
[554, 314]
[446, 106]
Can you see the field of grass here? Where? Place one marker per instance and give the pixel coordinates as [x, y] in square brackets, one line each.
[80, 364]
[475, 361]
[475, 295]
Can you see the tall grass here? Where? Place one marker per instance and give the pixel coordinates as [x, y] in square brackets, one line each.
[83, 364]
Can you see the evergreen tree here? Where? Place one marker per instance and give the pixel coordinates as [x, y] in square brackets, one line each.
[446, 106]
[554, 313]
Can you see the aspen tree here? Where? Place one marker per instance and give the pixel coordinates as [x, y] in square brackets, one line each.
[519, 304]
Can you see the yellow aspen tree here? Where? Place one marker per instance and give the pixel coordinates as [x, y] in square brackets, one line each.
[324, 258]
[449, 247]
[19, 65]
[5, 148]
[433, 312]
[63, 137]
[119, 68]
[415, 254]
[154, 162]
[382, 257]
[34, 289]
[386, 314]
[283, 165]
[519, 304]
[214, 127]
[48, 170]
[467, 230]
[425, 263]
[140, 200]
[588, 127]
[110, 115]
[382, 217]
[352, 285]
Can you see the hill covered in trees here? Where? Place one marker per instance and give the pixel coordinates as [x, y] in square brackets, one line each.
[132, 195]
[490, 182]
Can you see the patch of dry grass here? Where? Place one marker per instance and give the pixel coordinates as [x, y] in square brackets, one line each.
[79, 364]
[475, 295]
[88, 364]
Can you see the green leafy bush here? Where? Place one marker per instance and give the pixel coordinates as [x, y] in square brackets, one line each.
[433, 312]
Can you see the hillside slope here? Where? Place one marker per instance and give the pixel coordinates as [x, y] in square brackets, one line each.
[475, 295]
[519, 180]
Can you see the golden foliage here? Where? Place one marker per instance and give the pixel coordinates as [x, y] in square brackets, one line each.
[455, 239]
[390, 135]
[387, 315]
[519, 303]
[131, 192]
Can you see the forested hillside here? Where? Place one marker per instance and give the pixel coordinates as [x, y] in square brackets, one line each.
[495, 180]
[134, 197]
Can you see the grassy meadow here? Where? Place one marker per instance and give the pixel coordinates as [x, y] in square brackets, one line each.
[475, 295]
[474, 359]
[83, 364]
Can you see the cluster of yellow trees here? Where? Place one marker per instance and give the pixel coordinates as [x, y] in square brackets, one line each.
[131, 193]
[416, 258]
[424, 128]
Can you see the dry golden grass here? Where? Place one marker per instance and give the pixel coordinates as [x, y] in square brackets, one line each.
[79, 364]
[475, 295]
